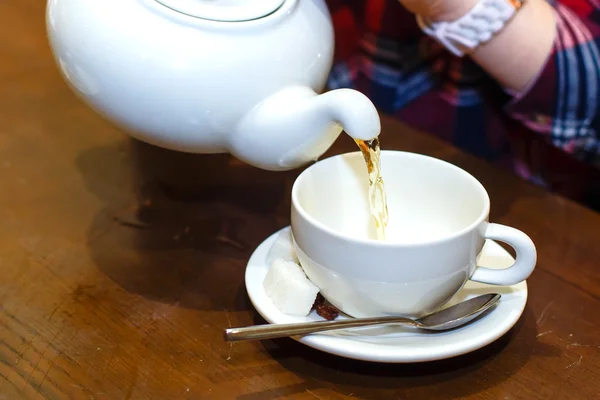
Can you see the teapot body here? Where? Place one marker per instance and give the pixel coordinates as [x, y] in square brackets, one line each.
[182, 82]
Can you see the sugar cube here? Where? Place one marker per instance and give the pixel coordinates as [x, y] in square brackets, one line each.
[289, 288]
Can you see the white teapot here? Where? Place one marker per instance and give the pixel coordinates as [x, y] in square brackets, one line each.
[211, 76]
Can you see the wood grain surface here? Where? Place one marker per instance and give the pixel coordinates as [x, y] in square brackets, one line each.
[122, 263]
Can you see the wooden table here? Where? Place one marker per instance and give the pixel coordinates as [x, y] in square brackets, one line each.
[121, 264]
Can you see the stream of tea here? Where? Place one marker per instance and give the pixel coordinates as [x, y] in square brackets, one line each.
[371, 152]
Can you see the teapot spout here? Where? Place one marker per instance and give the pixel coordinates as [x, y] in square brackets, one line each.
[353, 111]
[296, 126]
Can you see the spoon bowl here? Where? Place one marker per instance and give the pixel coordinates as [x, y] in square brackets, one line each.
[459, 314]
[446, 319]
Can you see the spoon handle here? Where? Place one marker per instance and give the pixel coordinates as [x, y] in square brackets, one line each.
[272, 331]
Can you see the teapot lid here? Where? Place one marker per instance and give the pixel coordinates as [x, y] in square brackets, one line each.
[224, 10]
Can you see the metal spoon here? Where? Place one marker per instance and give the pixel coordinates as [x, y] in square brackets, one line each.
[451, 317]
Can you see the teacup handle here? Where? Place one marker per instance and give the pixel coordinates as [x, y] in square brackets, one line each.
[524, 261]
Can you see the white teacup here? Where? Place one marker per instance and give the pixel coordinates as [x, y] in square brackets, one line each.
[438, 223]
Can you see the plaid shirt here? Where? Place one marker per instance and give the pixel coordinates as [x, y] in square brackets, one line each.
[548, 134]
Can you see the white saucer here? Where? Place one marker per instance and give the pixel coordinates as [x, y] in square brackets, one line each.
[393, 344]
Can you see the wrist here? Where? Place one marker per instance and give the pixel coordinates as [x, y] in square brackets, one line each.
[516, 55]
[476, 27]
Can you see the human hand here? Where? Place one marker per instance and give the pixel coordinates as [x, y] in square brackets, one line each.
[439, 10]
